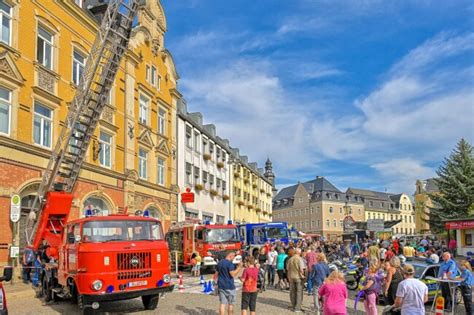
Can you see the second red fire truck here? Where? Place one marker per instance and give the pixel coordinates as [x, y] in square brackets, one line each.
[211, 241]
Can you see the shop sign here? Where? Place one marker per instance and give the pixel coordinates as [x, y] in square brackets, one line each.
[375, 225]
[187, 197]
[460, 225]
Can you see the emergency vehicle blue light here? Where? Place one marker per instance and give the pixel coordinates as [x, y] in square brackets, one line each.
[229, 222]
[89, 213]
[110, 289]
[146, 214]
[207, 222]
[160, 283]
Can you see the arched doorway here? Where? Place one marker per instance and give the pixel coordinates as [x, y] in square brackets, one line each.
[98, 204]
[155, 213]
[28, 195]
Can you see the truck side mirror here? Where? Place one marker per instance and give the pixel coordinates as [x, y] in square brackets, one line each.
[71, 238]
[7, 274]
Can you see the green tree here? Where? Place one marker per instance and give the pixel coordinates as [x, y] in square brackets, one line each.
[455, 198]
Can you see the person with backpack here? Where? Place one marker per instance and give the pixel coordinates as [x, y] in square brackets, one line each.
[27, 264]
[371, 289]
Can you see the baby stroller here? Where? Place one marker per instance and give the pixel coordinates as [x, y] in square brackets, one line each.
[261, 280]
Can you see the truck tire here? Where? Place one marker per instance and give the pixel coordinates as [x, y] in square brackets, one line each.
[150, 302]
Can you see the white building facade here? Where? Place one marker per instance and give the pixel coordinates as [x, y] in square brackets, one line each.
[203, 167]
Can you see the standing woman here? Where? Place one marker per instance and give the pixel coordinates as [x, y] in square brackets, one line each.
[466, 285]
[282, 281]
[394, 277]
[334, 294]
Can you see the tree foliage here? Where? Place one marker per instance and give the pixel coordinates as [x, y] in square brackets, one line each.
[455, 181]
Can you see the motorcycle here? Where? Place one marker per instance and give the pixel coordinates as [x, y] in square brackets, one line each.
[352, 276]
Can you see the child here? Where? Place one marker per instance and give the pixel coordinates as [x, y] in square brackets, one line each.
[198, 264]
[193, 264]
[249, 280]
[466, 285]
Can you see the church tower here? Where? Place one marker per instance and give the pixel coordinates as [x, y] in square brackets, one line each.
[270, 175]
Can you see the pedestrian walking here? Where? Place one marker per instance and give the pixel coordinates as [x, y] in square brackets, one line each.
[317, 276]
[334, 294]
[295, 270]
[27, 261]
[466, 286]
[412, 294]
[447, 270]
[226, 271]
[394, 277]
[249, 280]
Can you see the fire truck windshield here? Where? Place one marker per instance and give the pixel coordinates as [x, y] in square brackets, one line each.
[221, 235]
[276, 232]
[121, 230]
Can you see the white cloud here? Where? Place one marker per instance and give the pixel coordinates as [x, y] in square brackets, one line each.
[401, 174]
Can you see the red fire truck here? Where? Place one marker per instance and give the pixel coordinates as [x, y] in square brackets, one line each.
[211, 241]
[94, 259]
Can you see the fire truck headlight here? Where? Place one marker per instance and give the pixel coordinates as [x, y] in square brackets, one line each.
[97, 285]
[106, 260]
[166, 278]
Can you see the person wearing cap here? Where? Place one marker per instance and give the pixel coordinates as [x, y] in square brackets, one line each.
[447, 270]
[412, 294]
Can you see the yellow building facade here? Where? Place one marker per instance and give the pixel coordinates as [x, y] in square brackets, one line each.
[251, 194]
[130, 164]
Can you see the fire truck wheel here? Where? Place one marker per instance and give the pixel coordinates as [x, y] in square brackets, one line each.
[86, 310]
[47, 292]
[150, 302]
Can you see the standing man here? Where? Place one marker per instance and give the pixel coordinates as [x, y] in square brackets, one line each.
[447, 270]
[310, 261]
[374, 252]
[271, 265]
[412, 294]
[226, 272]
[295, 269]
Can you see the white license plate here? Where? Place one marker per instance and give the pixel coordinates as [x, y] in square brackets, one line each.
[137, 284]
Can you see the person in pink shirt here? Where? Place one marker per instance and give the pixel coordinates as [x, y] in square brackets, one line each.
[334, 294]
[452, 247]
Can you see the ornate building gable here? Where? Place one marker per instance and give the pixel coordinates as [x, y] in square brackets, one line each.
[145, 138]
[152, 26]
[8, 68]
[163, 148]
[170, 65]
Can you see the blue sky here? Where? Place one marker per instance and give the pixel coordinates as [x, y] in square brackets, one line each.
[370, 93]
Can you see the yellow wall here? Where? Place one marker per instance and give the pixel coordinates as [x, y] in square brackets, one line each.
[255, 201]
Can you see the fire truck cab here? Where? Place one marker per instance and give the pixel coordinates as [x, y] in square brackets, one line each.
[211, 241]
[107, 258]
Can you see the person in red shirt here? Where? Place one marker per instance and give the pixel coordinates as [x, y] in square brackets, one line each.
[396, 246]
[389, 254]
[249, 286]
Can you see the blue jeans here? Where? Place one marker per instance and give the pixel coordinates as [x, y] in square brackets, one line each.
[271, 275]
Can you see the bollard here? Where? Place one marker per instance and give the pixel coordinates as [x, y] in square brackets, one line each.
[181, 285]
[201, 280]
[440, 305]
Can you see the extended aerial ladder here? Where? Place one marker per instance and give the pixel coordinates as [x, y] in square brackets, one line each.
[51, 208]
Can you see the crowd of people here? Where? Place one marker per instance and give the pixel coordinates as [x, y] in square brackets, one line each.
[307, 266]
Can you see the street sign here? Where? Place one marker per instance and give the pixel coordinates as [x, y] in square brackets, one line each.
[349, 224]
[15, 208]
[375, 225]
[14, 251]
[187, 197]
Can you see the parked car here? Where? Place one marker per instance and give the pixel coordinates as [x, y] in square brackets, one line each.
[7, 276]
[424, 270]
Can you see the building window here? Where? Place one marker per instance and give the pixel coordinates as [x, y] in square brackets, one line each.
[317, 222]
[334, 222]
[5, 105]
[105, 144]
[44, 51]
[340, 210]
[224, 185]
[78, 64]
[223, 156]
[204, 146]
[341, 223]
[204, 176]
[142, 163]
[371, 203]
[143, 110]
[42, 131]
[153, 76]
[327, 223]
[6, 17]
[218, 183]
[331, 210]
[188, 173]
[196, 141]
[218, 153]
[161, 121]
[211, 148]
[211, 180]
[197, 173]
[161, 171]
[189, 136]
